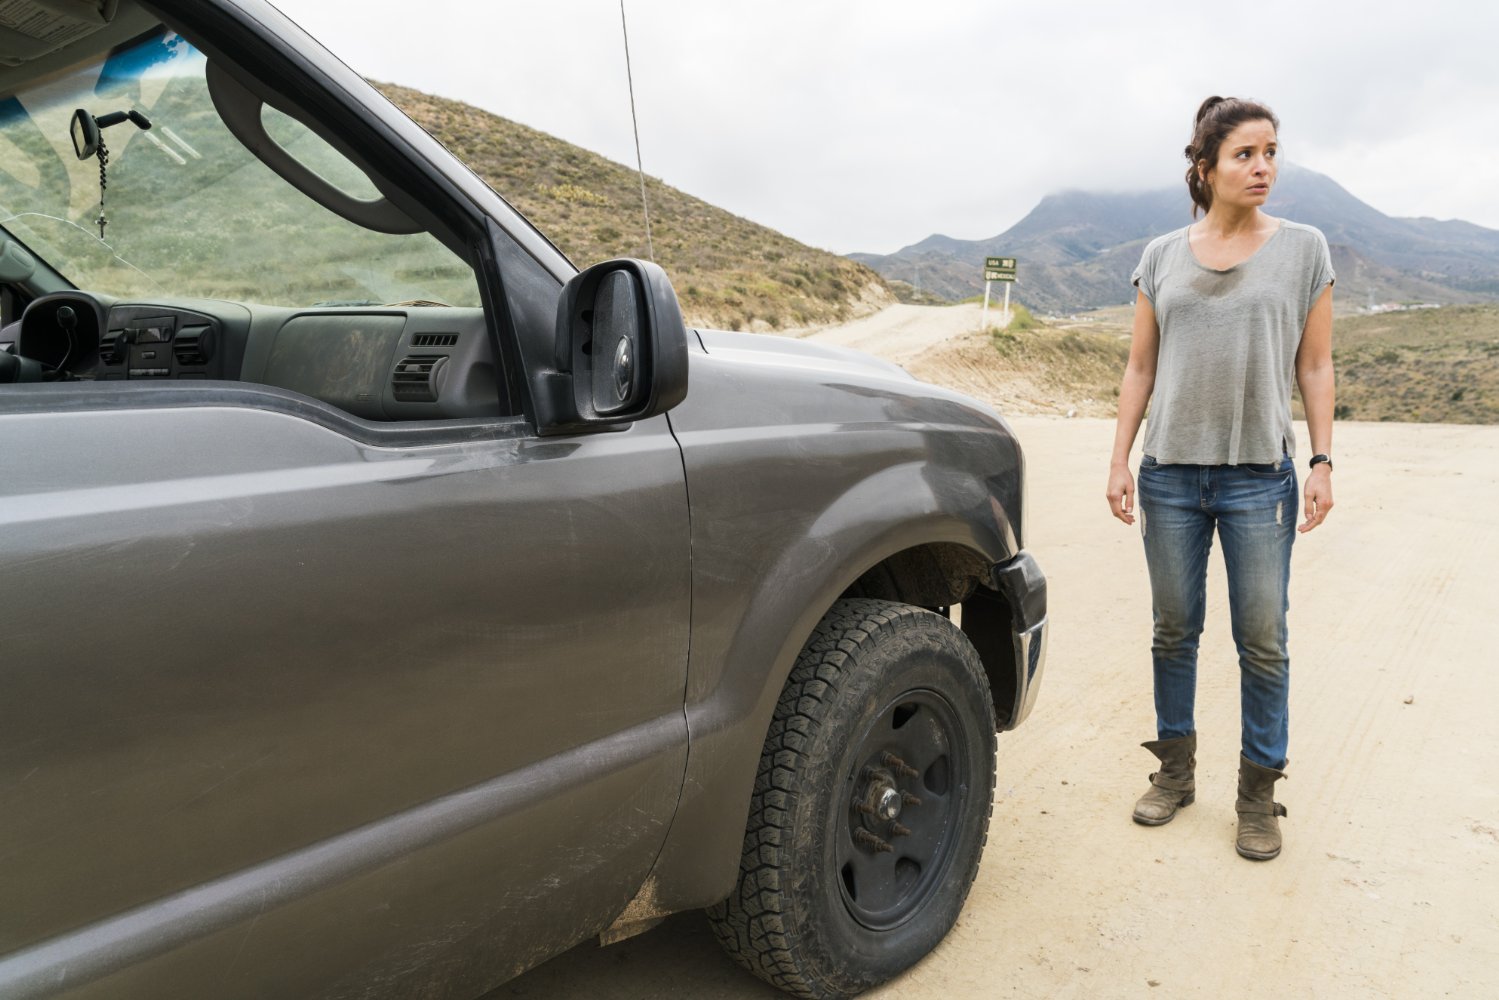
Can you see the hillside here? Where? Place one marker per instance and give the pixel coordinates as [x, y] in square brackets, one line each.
[1425, 366]
[1076, 249]
[1052, 367]
[1417, 366]
[728, 272]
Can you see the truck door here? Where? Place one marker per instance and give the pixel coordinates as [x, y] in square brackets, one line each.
[286, 707]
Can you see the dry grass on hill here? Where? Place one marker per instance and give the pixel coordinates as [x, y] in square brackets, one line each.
[1422, 366]
[728, 272]
[1034, 366]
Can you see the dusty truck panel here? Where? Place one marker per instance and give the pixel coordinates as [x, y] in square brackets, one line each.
[392, 909]
[386, 607]
[315, 668]
[853, 463]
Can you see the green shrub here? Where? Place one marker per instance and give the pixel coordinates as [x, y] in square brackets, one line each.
[1004, 341]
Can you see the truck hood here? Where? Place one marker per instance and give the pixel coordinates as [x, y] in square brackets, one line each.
[791, 352]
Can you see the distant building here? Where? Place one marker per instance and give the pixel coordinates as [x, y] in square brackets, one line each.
[1387, 307]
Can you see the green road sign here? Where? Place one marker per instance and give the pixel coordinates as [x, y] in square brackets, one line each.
[999, 268]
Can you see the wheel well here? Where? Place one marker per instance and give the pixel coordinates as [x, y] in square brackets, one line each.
[937, 575]
[942, 575]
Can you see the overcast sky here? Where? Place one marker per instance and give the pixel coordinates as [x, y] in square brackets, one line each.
[871, 125]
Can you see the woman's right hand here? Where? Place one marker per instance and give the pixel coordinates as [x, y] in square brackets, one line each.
[1121, 493]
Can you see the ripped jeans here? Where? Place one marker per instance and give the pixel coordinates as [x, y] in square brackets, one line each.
[1254, 509]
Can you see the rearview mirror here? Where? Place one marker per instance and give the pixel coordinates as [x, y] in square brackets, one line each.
[85, 133]
[620, 351]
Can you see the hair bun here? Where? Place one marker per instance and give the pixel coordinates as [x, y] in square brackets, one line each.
[1208, 105]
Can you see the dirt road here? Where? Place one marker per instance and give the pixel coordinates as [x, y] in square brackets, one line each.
[902, 332]
[1389, 883]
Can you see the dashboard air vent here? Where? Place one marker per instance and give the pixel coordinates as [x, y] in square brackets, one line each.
[111, 347]
[434, 340]
[417, 379]
[191, 347]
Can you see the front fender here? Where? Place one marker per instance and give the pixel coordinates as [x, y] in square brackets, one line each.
[789, 508]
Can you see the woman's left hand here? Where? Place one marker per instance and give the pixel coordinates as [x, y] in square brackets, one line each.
[1317, 496]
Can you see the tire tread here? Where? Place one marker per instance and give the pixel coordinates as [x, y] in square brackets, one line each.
[751, 923]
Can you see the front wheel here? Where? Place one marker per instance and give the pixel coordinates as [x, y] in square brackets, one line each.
[871, 804]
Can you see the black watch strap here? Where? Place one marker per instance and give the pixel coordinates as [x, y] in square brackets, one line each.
[1319, 459]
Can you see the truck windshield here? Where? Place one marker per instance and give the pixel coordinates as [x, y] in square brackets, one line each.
[189, 211]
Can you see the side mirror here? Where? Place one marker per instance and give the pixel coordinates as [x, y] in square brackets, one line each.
[621, 349]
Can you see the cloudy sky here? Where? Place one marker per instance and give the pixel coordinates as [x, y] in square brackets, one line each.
[870, 125]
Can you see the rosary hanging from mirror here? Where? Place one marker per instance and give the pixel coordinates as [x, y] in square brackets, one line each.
[88, 140]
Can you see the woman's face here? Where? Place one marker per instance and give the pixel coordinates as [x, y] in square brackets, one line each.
[1245, 170]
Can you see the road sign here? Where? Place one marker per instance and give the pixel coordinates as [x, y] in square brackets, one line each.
[999, 268]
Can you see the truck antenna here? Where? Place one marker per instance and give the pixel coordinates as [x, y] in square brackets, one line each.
[645, 206]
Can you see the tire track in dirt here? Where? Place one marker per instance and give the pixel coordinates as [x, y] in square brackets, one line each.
[1405, 607]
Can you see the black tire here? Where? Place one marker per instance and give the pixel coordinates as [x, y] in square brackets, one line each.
[822, 909]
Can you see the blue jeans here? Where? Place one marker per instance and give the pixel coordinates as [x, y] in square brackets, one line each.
[1254, 509]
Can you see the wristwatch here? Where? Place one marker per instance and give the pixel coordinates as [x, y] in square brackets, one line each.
[1319, 459]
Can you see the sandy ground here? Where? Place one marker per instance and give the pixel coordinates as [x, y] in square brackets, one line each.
[946, 345]
[1389, 883]
[902, 332]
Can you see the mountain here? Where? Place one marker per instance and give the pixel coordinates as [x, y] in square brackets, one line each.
[728, 272]
[1076, 249]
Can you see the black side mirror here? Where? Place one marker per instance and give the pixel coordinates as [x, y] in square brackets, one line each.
[609, 349]
[621, 349]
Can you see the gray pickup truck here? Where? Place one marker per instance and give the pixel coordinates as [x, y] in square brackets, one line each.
[387, 606]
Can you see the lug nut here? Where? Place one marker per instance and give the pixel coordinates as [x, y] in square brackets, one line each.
[869, 840]
[896, 830]
[900, 766]
[908, 799]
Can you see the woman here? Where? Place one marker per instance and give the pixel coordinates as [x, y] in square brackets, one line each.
[1229, 309]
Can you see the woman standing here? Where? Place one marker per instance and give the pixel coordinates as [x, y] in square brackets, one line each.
[1229, 309]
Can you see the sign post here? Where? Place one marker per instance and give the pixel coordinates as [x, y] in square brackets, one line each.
[998, 269]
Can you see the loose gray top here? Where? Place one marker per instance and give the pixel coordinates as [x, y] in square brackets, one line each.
[1228, 346]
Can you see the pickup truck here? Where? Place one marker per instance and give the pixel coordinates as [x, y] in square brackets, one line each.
[387, 606]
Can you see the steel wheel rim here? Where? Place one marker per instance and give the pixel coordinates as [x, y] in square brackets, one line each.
[901, 802]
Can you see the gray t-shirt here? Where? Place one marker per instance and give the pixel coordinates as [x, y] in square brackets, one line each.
[1228, 345]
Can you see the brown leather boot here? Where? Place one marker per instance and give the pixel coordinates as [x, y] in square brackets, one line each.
[1172, 787]
[1259, 829]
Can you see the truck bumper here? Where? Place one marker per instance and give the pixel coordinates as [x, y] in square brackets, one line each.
[1024, 588]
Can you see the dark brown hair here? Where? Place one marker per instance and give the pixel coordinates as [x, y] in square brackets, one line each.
[1217, 117]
